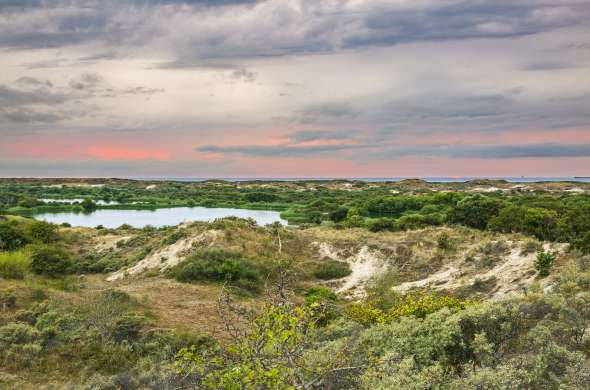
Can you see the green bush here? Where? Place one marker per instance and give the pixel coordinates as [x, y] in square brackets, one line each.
[319, 294]
[220, 265]
[382, 224]
[339, 214]
[544, 262]
[17, 333]
[42, 231]
[50, 261]
[14, 265]
[332, 269]
[11, 237]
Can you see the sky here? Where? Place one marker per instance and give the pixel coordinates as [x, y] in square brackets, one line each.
[294, 88]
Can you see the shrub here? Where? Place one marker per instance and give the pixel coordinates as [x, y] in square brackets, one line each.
[321, 301]
[14, 265]
[339, 214]
[422, 305]
[444, 242]
[544, 262]
[11, 238]
[7, 298]
[332, 269]
[382, 224]
[50, 261]
[476, 211]
[319, 294]
[260, 197]
[221, 266]
[365, 314]
[88, 205]
[17, 333]
[42, 231]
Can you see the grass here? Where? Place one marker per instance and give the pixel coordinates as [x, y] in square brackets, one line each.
[220, 265]
[14, 265]
[332, 269]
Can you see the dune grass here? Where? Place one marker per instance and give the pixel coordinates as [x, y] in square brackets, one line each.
[14, 265]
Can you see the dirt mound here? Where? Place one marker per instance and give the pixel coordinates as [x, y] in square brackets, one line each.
[168, 256]
[511, 275]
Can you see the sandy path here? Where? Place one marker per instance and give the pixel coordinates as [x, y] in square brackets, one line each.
[364, 265]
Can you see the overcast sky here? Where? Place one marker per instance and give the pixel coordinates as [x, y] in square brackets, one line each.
[243, 88]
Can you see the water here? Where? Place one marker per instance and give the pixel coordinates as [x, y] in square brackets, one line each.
[157, 218]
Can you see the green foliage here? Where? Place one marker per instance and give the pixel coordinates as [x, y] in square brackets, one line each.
[12, 237]
[382, 224]
[339, 214]
[41, 231]
[321, 301]
[7, 298]
[319, 295]
[416, 305]
[476, 211]
[544, 262]
[541, 223]
[272, 355]
[220, 265]
[50, 261]
[260, 197]
[421, 305]
[332, 269]
[88, 205]
[14, 265]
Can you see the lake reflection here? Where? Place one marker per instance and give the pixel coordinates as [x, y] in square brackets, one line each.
[157, 218]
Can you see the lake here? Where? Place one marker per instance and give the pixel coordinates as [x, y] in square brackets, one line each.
[157, 218]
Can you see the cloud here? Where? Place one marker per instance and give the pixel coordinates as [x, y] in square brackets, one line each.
[502, 151]
[244, 75]
[25, 115]
[369, 151]
[11, 97]
[322, 111]
[319, 135]
[30, 100]
[107, 168]
[245, 28]
[286, 150]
